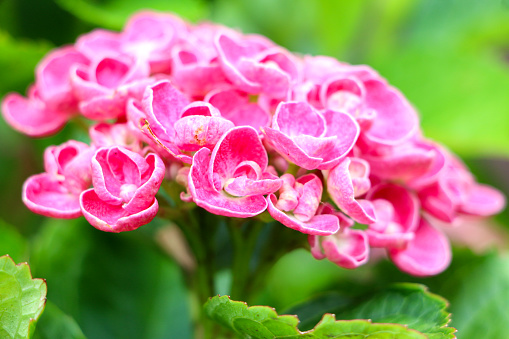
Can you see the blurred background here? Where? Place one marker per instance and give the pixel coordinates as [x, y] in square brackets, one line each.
[449, 57]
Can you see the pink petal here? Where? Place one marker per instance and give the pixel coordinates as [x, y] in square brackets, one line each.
[197, 131]
[325, 224]
[242, 186]
[348, 249]
[483, 200]
[298, 118]
[310, 197]
[206, 196]
[341, 189]
[237, 145]
[234, 105]
[429, 253]
[44, 194]
[113, 218]
[32, 117]
[396, 119]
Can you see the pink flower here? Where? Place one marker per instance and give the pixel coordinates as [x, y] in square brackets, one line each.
[298, 203]
[429, 253]
[310, 139]
[51, 101]
[56, 192]
[235, 106]
[347, 181]
[233, 179]
[454, 192]
[397, 214]
[104, 87]
[347, 248]
[253, 65]
[178, 126]
[125, 185]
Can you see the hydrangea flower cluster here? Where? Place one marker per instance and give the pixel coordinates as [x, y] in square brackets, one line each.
[246, 127]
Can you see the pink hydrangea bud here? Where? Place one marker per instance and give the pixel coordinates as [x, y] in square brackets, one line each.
[297, 205]
[125, 185]
[56, 192]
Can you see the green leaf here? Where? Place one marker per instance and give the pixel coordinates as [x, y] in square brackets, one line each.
[480, 303]
[56, 324]
[22, 299]
[263, 322]
[114, 13]
[407, 304]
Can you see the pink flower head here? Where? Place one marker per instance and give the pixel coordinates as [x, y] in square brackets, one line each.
[233, 179]
[125, 185]
[455, 192]
[254, 66]
[429, 253]
[309, 139]
[56, 192]
[104, 87]
[298, 203]
[178, 126]
[348, 180]
[397, 214]
[235, 106]
[347, 248]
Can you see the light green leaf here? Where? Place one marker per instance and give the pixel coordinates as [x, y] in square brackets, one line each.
[113, 14]
[407, 304]
[262, 322]
[22, 299]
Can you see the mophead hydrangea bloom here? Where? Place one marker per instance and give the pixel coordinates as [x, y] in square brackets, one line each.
[246, 129]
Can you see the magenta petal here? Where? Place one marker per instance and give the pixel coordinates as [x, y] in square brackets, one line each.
[113, 218]
[298, 118]
[325, 224]
[207, 197]
[32, 117]
[348, 249]
[429, 253]
[342, 192]
[45, 195]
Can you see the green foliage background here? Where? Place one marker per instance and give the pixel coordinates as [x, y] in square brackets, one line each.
[449, 57]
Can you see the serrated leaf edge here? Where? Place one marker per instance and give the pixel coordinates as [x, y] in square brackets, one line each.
[322, 320]
[32, 321]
